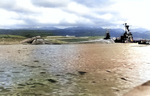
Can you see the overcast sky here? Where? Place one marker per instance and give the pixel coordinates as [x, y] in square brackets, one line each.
[74, 13]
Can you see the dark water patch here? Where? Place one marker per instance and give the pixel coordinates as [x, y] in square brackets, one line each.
[93, 81]
[108, 71]
[16, 72]
[58, 75]
[42, 72]
[34, 66]
[52, 80]
[36, 61]
[124, 79]
[82, 72]
[21, 85]
[30, 79]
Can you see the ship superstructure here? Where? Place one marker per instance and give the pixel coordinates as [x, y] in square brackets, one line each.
[126, 37]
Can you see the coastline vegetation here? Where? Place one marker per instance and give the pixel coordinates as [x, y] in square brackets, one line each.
[15, 39]
[11, 39]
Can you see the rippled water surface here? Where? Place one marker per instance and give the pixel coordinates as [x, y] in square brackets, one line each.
[73, 70]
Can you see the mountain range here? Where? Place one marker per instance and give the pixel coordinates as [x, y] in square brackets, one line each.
[138, 33]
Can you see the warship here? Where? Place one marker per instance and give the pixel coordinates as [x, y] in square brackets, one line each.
[144, 41]
[126, 37]
[107, 35]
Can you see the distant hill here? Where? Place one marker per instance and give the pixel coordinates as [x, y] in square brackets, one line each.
[139, 30]
[141, 35]
[75, 31]
[26, 32]
[81, 31]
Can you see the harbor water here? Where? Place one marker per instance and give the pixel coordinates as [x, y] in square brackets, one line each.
[73, 69]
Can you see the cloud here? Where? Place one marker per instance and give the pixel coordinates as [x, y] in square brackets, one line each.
[7, 4]
[96, 12]
[94, 3]
[78, 9]
[44, 13]
[50, 3]
[17, 6]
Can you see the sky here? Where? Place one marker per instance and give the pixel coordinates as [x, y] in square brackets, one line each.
[74, 13]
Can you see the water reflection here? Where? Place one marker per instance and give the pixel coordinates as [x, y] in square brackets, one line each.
[110, 69]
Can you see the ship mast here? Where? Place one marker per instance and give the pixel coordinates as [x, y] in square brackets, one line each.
[126, 28]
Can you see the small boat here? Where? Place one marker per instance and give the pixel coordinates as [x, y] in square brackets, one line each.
[147, 42]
